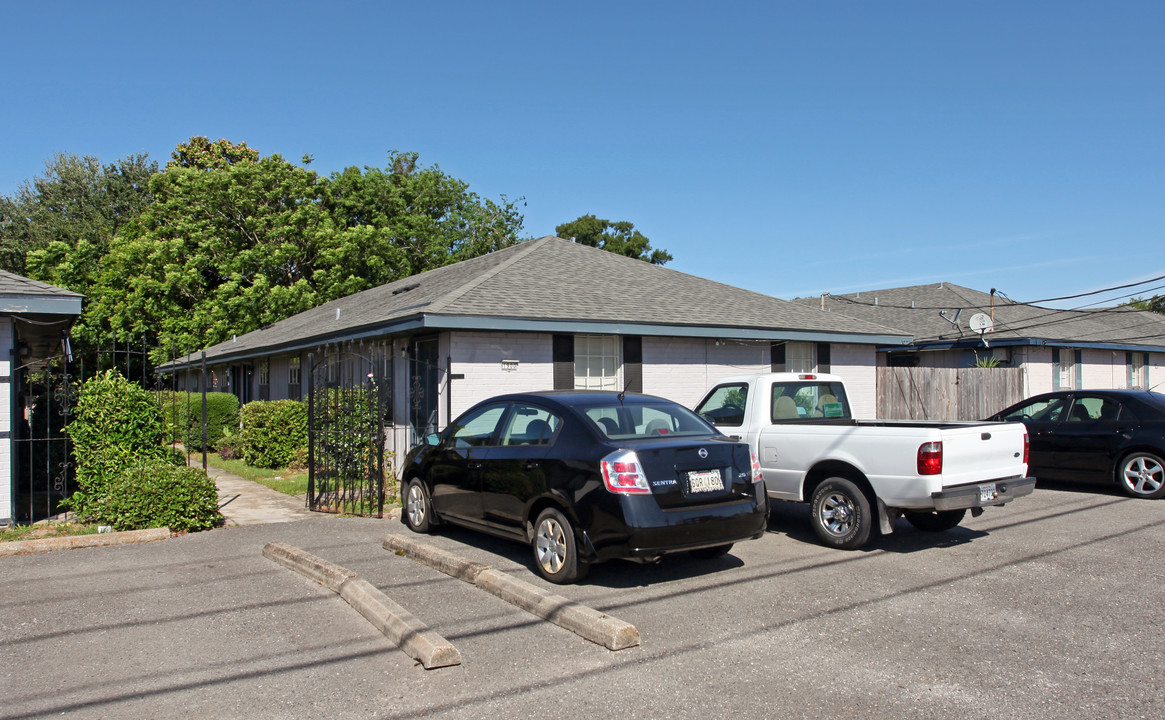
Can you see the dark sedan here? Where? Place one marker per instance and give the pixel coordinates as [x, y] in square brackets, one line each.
[1106, 435]
[584, 477]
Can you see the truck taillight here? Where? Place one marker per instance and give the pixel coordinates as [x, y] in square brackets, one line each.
[930, 458]
[1026, 446]
[623, 474]
[806, 377]
[757, 475]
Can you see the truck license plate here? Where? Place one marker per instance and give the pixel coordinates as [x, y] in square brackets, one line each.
[988, 493]
[704, 481]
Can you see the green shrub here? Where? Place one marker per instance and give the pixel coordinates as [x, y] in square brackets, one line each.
[271, 432]
[159, 494]
[127, 477]
[182, 412]
[116, 425]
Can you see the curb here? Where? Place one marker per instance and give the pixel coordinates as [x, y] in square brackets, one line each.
[74, 542]
[587, 623]
[400, 626]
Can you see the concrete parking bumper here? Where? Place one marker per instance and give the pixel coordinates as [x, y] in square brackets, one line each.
[400, 626]
[588, 623]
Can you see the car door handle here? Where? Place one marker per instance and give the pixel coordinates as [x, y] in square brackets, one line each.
[529, 464]
[474, 466]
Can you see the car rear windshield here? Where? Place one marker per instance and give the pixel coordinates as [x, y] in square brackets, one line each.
[638, 421]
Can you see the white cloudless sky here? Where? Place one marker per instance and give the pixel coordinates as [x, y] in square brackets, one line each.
[790, 148]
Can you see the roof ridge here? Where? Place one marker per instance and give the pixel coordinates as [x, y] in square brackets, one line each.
[452, 296]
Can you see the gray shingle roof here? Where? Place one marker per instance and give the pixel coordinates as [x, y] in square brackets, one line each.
[22, 295]
[547, 283]
[916, 309]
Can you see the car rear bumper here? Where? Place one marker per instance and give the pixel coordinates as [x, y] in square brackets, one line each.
[979, 494]
[647, 533]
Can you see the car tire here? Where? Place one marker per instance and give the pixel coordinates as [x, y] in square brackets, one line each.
[555, 549]
[418, 509]
[711, 553]
[1142, 475]
[938, 521]
[841, 514]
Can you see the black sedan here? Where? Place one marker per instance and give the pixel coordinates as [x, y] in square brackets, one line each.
[584, 477]
[1106, 435]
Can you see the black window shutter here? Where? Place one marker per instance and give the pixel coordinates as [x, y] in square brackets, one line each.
[563, 362]
[823, 357]
[633, 363]
[777, 356]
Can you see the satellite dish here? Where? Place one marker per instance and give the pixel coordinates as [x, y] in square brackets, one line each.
[980, 323]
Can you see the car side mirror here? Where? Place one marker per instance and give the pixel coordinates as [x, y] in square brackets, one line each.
[432, 439]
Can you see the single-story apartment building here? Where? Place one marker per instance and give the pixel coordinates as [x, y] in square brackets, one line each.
[954, 326]
[35, 319]
[542, 314]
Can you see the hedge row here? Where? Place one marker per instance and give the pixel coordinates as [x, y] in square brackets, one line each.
[182, 412]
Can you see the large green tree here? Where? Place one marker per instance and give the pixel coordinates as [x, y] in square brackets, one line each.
[75, 209]
[233, 242]
[619, 237]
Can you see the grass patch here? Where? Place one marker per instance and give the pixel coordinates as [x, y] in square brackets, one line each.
[46, 530]
[288, 482]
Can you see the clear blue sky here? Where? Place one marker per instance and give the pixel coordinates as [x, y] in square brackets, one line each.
[785, 147]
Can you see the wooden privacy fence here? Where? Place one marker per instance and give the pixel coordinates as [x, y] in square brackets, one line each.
[906, 393]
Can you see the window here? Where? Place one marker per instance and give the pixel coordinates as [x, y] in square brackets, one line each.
[799, 357]
[1044, 410]
[477, 429]
[1137, 370]
[796, 401]
[724, 406]
[637, 421]
[596, 362]
[264, 380]
[530, 425]
[1067, 365]
[293, 379]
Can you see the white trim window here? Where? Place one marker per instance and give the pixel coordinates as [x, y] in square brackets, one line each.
[596, 362]
[799, 357]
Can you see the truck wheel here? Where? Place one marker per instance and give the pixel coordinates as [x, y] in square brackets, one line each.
[841, 514]
[937, 521]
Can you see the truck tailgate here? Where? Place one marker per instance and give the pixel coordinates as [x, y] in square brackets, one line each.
[977, 453]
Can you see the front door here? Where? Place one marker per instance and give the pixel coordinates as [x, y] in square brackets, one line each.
[423, 388]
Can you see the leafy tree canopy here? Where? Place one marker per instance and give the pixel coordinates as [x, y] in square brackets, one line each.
[76, 206]
[227, 247]
[618, 237]
[1155, 304]
[202, 154]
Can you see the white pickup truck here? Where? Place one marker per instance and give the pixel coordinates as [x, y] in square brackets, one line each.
[862, 474]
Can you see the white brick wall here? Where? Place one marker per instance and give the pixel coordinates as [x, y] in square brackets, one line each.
[856, 364]
[682, 369]
[1104, 369]
[478, 356]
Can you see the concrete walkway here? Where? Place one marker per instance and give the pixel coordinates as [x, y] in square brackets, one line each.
[245, 502]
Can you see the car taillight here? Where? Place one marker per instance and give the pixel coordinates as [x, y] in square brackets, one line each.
[757, 475]
[1026, 446]
[623, 474]
[930, 458]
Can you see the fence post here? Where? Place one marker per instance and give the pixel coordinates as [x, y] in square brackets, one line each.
[203, 384]
[311, 429]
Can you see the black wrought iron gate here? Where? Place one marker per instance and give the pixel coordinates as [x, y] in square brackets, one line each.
[349, 398]
[43, 473]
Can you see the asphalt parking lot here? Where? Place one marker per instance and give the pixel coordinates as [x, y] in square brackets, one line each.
[1048, 608]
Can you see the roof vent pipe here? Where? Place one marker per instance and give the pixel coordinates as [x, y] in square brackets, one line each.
[875, 299]
[337, 313]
